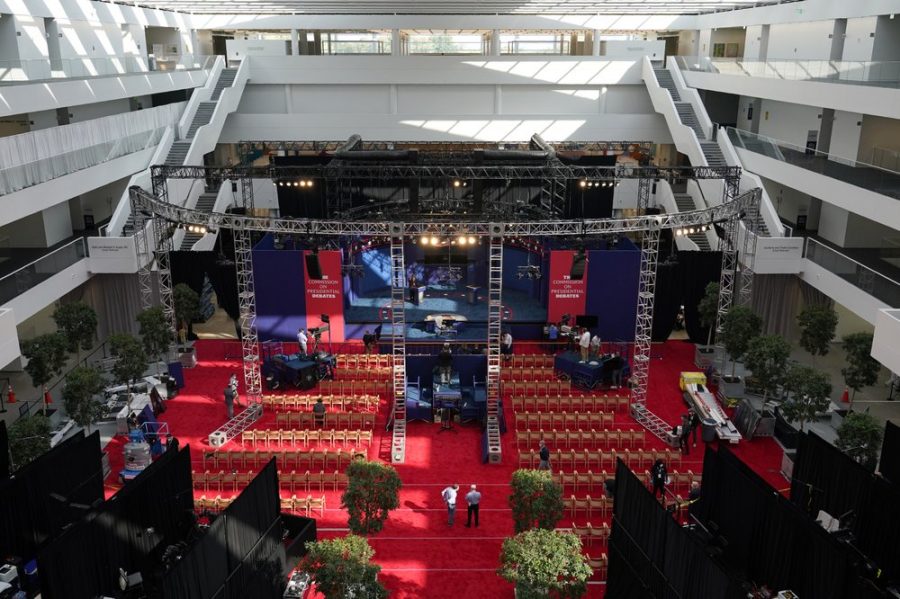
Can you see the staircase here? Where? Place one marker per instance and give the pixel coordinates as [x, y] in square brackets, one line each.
[664, 78]
[685, 203]
[205, 203]
[688, 118]
[204, 114]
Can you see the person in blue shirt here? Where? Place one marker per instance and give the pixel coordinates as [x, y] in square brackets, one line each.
[552, 336]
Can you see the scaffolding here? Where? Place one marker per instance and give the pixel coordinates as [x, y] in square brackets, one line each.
[398, 345]
[144, 256]
[243, 258]
[495, 323]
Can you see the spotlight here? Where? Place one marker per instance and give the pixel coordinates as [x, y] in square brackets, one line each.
[309, 183]
[471, 240]
[434, 240]
[302, 183]
[582, 183]
[678, 232]
[296, 184]
[462, 240]
[456, 184]
[424, 240]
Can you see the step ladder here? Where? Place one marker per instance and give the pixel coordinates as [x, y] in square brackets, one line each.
[398, 342]
[495, 322]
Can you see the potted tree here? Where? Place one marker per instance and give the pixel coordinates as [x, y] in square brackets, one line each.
[78, 324]
[545, 563]
[156, 333]
[708, 311]
[817, 326]
[131, 361]
[808, 392]
[46, 355]
[739, 326]
[859, 436]
[82, 384]
[373, 490]
[342, 568]
[861, 369]
[187, 308]
[767, 358]
[29, 438]
[536, 500]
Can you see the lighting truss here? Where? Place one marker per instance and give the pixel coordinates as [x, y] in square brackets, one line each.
[528, 272]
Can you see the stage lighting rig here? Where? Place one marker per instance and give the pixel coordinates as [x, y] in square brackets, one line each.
[691, 230]
[532, 272]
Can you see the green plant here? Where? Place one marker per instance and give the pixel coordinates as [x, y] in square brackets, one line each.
[342, 567]
[82, 384]
[46, 355]
[808, 391]
[767, 358]
[536, 500]
[155, 331]
[859, 436]
[186, 303]
[862, 369]
[373, 490]
[78, 324]
[131, 361]
[708, 310]
[545, 563]
[29, 438]
[817, 326]
[739, 326]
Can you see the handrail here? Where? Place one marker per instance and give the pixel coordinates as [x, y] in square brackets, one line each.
[80, 252]
[38, 70]
[888, 291]
[873, 72]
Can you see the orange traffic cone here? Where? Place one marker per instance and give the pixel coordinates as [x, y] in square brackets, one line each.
[47, 399]
[11, 395]
[845, 396]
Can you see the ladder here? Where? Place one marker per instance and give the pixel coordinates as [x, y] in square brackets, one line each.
[234, 427]
[653, 423]
[495, 321]
[398, 343]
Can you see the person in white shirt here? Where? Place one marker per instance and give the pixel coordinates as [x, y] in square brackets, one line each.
[595, 347]
[449, 497]
[584, 342]
[302, 339]
[506, 344]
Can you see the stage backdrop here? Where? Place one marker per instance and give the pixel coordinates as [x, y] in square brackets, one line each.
[278, 277]
[326, 295]
[565, 295]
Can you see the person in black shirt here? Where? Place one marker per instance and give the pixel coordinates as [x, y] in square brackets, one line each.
[319, 413]
[695, 424]
[368, 341]
[685, 434]
[544, 454]
[445, 363]
[659, 474]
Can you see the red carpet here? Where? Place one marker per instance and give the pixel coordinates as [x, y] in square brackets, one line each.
[420, 555]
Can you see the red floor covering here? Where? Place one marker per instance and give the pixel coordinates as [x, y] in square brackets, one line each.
[420, 555]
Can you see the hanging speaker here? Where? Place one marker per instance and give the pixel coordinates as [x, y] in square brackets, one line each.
[313, 268]
[578, 265]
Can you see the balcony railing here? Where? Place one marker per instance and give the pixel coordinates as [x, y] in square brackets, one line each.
[866, 176]
[21, 176]
[34, 273]
[42, 69]
[874, 73]
[859, 275]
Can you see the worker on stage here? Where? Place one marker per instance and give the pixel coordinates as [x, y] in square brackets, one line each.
[445, 364]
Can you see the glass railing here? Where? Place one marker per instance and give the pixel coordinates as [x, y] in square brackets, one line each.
[350, 46]
[875, 284]
[32, 70]
[875, 73]
[442, 46]
[558, 46]
[21, 176]
[34, 273]
[850, 171]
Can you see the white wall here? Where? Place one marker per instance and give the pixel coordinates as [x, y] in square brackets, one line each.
[887, 39]
[86, 112]
[847, 127]
[885, 348]
[9, 339]
[688, 43]
[790, 203]
[802, 41]
[753, 42]
[43, 119]
[788, 122]
[27, 232]
[865, 233]
[859, 41]
[849, 322]
[99, 203]
[9, 47]
[57, 223]
[704, 46]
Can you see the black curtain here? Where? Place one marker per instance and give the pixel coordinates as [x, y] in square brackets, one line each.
[666, 299]
[36, 503]
[202, 570]
[890, 453]
[824, 478]
[877, 526]
[698, 270]
[4, 451]
[191, 268]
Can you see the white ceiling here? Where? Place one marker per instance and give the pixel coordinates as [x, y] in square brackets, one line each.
[453, 7]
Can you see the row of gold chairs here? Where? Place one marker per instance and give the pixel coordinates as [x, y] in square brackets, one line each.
[306, 437]
[516, 387]
[580, 439]
[354, 387]
[305, 505]
[289, 481]
[528, 374]
[600, 507]
[565, 421]
[599, 565]
[374, 373]
[596, 459]
[575, 480]
[215, 504]
[590, 533]
[336, 420]
[343, 403]
[530, 361]
[570, 403]
[365, 360]
[336, 459]
[678, 481]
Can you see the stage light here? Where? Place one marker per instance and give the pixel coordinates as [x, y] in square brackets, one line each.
[302, 183]
[456, 184]
[424, 240]
[462, 240]
[296, 184]
[678, 232]
[434, 240]
[309, 183]
[472, 240]
[582, 183]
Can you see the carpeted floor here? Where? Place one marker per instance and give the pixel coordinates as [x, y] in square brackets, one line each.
[420, 555]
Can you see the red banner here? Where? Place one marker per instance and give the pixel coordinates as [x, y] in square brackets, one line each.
[565, 295]
[325, 295]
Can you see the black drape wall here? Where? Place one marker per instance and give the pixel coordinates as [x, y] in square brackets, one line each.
[889, 466]
[4, 451]
[683, 282]
[191, 268]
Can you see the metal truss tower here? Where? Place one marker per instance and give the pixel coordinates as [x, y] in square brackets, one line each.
[645, 185]
[398, 343]
[495, 322]
[144, 256]
[750, 236]
[243, 259]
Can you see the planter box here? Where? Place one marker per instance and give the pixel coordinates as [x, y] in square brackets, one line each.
[837, 417]
[731, 389]
[704, 356]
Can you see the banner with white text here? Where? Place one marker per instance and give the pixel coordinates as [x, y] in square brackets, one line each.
[325, 295]
[566, 296]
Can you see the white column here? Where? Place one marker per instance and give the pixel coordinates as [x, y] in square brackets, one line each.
[498, 99]
[295, 46]
[395, 42]
[595, 43]
[495, 42]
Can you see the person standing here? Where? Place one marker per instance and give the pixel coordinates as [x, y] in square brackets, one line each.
[685, 432]
[445, 364]
[584, 343]
[449, 497]
[302, 339]
[233, 383]
[544, 455]
[319, 413]
[473, 498]
[659, 474]
[552, 337]
[695, 424]
[229, 401]
[506, 344]
[595, 347]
